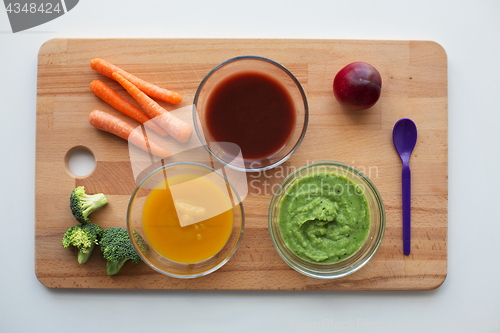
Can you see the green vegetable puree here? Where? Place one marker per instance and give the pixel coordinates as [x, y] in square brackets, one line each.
[324, 218]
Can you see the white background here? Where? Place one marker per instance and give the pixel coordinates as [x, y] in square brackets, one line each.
[470, 33]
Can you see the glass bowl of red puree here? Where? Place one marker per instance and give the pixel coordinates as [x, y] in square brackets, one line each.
[326, 220]
[250, 113]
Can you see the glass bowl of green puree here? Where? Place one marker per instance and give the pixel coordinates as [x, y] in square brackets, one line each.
[326, 220]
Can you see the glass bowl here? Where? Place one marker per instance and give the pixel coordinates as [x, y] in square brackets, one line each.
[229, 69]
[350, 264]
[156, 180]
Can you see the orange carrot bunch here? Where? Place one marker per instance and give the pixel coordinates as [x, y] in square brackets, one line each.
[162, 122]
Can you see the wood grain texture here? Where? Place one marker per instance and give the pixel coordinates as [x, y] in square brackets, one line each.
[414, 75]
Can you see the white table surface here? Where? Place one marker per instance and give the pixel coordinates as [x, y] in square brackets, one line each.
[469, 299]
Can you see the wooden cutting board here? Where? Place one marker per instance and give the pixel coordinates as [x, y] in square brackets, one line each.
[414, 75]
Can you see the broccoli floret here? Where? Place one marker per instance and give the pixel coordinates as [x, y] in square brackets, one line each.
[117, 248]
[83, 204]
[84, 237]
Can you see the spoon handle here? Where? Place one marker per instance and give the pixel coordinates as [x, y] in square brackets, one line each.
[406, 181]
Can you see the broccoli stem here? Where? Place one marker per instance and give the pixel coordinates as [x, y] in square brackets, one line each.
[93, 203]
[113, 267]
[83, 257]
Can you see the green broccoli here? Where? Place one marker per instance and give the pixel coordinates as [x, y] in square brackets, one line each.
[83, 204]
[117, 248]
[84, 237]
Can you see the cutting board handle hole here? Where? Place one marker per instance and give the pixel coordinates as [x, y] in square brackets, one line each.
[80, 162]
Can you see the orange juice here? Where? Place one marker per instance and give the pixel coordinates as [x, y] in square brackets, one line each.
[188, 199]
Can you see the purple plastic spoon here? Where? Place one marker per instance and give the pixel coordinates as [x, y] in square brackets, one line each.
[404, 137]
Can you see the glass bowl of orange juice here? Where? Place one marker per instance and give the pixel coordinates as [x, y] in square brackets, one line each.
[191, 218]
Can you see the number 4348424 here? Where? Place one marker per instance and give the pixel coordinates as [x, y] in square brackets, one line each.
[46, 8]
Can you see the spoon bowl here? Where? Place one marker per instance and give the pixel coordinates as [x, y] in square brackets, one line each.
[404, 137]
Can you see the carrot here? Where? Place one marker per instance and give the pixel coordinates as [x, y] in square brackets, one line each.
[114, 125]
[108, 95]
[150, 89]
[174, 126]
